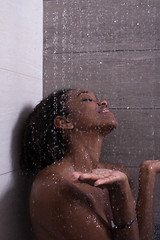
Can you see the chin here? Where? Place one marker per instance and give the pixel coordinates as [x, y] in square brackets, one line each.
[114, 123]
[109, 127]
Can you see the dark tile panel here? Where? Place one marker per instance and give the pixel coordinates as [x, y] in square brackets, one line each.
[136, 138]
[125, 79]
[157, 201]
[134, 173]
[87, 25]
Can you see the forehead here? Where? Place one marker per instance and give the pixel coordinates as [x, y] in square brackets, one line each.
[74, 94]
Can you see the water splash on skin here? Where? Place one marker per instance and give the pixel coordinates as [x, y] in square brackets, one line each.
[92, 218]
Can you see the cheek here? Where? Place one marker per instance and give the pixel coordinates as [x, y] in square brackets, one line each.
[83, 117]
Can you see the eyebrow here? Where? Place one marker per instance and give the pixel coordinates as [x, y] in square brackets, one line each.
[82, 92]
[85, 92]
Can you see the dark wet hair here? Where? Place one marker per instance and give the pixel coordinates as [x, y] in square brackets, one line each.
[43, 142]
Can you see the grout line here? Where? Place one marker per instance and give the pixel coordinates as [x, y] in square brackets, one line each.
[5, 69]
[135, 108]
[1, 174]
[137, 167]
[105, 51]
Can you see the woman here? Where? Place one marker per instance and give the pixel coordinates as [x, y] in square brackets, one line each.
[74, 196]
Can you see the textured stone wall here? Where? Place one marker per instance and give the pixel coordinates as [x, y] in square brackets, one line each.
[111, 48]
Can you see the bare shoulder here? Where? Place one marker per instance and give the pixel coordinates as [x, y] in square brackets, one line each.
[47, 182]
[47, 196]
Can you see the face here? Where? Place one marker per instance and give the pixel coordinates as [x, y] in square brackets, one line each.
[87, 113]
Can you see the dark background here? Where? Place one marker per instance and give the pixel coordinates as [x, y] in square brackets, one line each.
[112, 48]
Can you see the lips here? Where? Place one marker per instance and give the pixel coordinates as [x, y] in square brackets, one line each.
[104, 110]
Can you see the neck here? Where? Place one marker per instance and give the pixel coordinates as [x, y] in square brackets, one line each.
[84, 150]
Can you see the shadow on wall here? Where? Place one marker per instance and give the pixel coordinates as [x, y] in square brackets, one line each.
[15, 221]
[15, 202]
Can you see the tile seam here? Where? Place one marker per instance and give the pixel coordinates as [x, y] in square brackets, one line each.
[29, 76]
[1, 174]
[105, 51]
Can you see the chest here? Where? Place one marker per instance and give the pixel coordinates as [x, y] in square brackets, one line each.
[97, 199]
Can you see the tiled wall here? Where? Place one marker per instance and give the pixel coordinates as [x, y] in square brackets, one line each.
[21, 44]
[111, 48]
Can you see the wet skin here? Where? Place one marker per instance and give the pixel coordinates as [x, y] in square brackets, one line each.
[78, 197]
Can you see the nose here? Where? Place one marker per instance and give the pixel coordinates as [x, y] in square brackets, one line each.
[103, 103]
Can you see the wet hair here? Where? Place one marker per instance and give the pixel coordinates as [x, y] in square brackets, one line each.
[43, 142]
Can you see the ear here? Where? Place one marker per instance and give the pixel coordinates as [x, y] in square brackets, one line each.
[63, 123]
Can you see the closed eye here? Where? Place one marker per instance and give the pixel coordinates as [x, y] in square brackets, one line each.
[87, 100]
